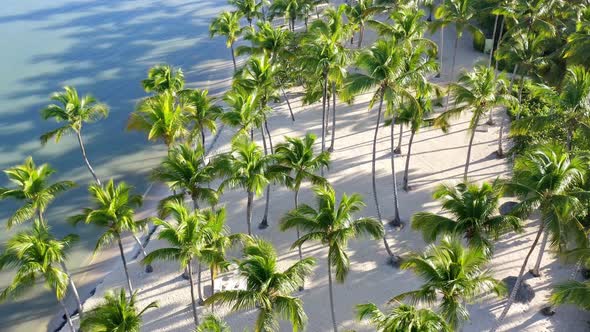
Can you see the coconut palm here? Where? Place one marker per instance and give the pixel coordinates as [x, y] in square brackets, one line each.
[455, 274]
[268, 289]
[162, 78]
[359, 13]
[114, 211]
[35, 254]
[250, 9]
[333, 225]
[289, 9]
[479, 91]
[186, 173]
[161, 117]
[212, 323]
[115, 313]
[474, 214]
[227, 24]
[243, 111]
[202, 113]
[572, 292]
[186, 236]
[72, 112]
[408, 27]
[402, 318]
[32, 189]
[298, 157]
[545, 179]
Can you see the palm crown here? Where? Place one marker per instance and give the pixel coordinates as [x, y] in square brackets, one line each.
[202, 113]
[162, 78]
[402, 318]
[33, 189]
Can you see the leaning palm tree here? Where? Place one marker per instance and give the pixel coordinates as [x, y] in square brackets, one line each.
[186, 173]
[298, 157]
[546, 180]
[474, 214]
[402, 318]
[479, 91]
[455, 274]
[212, 323]
[186, 236]
[268, 289]
[202, 114]
[162, 78]
[33, 189]
[333, 225]
[227, 24]
[115, 313]
[38, 254]
[250, 9]
[161, 117]
[114, 211]
[72, 112]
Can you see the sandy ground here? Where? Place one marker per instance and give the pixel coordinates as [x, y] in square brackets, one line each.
[436, 158]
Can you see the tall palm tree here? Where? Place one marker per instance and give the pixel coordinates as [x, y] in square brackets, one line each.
[115, 313]
[161, 117]
[298, 157]
[474, 214]
[113, 211]
[186, 236]
[359, 13]
[250, 9]
[227, 24]
[202, 113]
[402, 318]
[333, 225]
[480, 91]
[212, 323]
[246, 167]
[186, 173]
[163, 78]
[38, 254]
[268, 289]
[545, 179]
[455, 274]
[72, 112]
[33, 189]
[289, 9]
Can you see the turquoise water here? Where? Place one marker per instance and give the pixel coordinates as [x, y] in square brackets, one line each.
[103, 47]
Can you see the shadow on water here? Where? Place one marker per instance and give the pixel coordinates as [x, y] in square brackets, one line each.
[104, 48]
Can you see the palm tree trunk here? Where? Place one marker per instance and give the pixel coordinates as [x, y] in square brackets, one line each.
[286, 99]
[361, 34]
[264, 222]
[493, 41]
[500, 39]
[490, 117]
[568, 142]
[518, 282]
[81, 143]
[512, 78]
[68, 318]
[324, 98]
[452, 76]
[398, 148]
[249, 212]
[148, 268]
[296, 205]
[536, 270]
[41, 219]
[412, 133]
[74, 290]
[203, 140]
[520, 88]
[212, 271]
[396, 222]
[122, 252]
[442, 49]
[233, 57]
[193, 302]
[500, 151]
[469, 147]
[199, 288]
[333, 138]
[331, 296]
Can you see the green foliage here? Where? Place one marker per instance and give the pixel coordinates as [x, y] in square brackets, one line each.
[163, 78]
[402, 318]
[227, 24]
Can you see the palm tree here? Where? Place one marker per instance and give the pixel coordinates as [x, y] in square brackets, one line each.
[545, 179]
[250, 9]
[202, 113]
[186, 173]
[211, 323]
[572, 292]
[402, 318]
[359, 13]
[186, 236]
[289, 9]
[453, 272]
[578, 42]
[227, 24]
[163, 78]
[161, 117]
[473, 209]
[267, 288]
[243, 111]
[333, 225]
[115, 313]
[114, 211]
[480, 91]
[38, 254]
[73, 111]
[248, 168]
[33, 189]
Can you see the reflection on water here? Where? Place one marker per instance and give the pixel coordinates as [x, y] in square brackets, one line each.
[103, 47]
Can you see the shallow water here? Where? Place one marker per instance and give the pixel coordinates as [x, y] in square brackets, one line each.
[105, 48]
